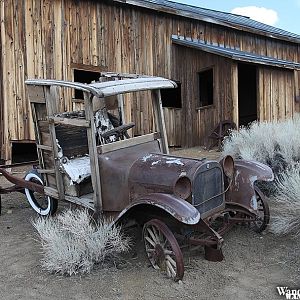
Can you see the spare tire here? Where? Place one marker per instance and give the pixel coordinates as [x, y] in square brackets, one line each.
[42, 204]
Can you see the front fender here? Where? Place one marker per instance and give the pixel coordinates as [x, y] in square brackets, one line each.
[245, 175]
[253, 170]
[178, 208]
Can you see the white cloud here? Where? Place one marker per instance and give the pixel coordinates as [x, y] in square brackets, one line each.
[261, 14]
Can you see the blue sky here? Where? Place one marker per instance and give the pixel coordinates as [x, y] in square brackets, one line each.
[284, 14]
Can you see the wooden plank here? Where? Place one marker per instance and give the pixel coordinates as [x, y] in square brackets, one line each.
[160, 121]
[36, 94]
[46, 171]
[51, 102]
[85, 201]
[297, 88]
[234, 93]
[52, 192]
[95, 171]
[260, 94]
[127, 143]
[44, 147]
[67, 121]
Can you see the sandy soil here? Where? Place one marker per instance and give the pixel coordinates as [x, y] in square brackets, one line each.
[254, 265]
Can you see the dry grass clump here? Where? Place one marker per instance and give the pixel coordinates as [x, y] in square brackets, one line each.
[73, 242]
[276, 144]
[286, 209]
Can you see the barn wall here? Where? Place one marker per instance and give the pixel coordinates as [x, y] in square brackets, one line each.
[44, 39]
[276, 93]
[197, 123]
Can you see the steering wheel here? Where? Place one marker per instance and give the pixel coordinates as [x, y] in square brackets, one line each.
[119, 131]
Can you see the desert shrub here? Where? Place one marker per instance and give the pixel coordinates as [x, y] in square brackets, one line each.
[276, 144]
[73, 242]
[286, 203]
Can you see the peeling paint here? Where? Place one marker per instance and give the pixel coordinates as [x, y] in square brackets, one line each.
[253, 202]
[77, 169]
[175, 161]
[145, 158]
[60, 152]
[252, 179]
[103, 124]
[155, 163]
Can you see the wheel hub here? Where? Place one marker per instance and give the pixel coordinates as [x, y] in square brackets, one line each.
[158, 254]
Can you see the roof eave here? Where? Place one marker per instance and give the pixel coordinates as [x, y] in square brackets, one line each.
[195, 16]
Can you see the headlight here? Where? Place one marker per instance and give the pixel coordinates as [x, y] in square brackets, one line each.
[228, 166]
[183, 187]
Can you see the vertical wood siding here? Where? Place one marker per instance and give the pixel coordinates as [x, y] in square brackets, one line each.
[43, 38]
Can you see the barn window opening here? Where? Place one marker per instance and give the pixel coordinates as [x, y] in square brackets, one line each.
[24, 152]
[206, 86]
[84, 76]
[172, 97]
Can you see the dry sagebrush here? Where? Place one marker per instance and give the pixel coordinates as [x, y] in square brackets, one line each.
[73, 243]
[286, 209]
[276, 144]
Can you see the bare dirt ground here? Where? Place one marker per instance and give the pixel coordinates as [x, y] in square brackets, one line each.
[254, 265]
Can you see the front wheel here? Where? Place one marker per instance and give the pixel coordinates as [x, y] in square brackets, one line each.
[42, 204]
[263, 212]
[162, 249]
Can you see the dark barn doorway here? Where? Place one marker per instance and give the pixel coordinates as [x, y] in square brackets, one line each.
[247, 91]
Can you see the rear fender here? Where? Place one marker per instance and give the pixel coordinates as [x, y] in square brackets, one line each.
[178, 208]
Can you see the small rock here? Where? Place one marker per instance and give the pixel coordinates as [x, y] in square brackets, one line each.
[9, 211]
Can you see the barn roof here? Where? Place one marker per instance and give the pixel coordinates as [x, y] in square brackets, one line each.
[235, 54]
[216, 17]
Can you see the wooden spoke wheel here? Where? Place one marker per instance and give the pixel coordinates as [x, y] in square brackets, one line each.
[162, 249]
[263, 212]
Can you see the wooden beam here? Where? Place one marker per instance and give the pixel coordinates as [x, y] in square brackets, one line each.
[71, 122]
[160, 120]
[128, 143]
[235, 93]
[52, 99]
[95, 170]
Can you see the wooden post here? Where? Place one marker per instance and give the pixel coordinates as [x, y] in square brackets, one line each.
[95, 170]
[295, 105]
[160, 121]
[52, 99]
[235, 94]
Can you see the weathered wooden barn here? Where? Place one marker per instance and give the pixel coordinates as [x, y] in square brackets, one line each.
[227, 66]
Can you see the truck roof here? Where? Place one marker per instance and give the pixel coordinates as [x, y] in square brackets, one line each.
[110, 88]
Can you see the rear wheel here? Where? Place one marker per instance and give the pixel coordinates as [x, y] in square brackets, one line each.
[163, 250]
[42, 204]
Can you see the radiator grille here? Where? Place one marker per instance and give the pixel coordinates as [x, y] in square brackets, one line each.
[207, 184]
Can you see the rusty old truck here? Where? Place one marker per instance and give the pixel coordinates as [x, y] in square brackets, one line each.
[91, 157]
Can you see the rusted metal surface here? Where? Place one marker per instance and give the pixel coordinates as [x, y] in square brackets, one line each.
[162, 249]
[176, 207]
[114, 170]
[159, 173]
[137, 181]
[242, 188]
[263, 212]
[20, 184]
